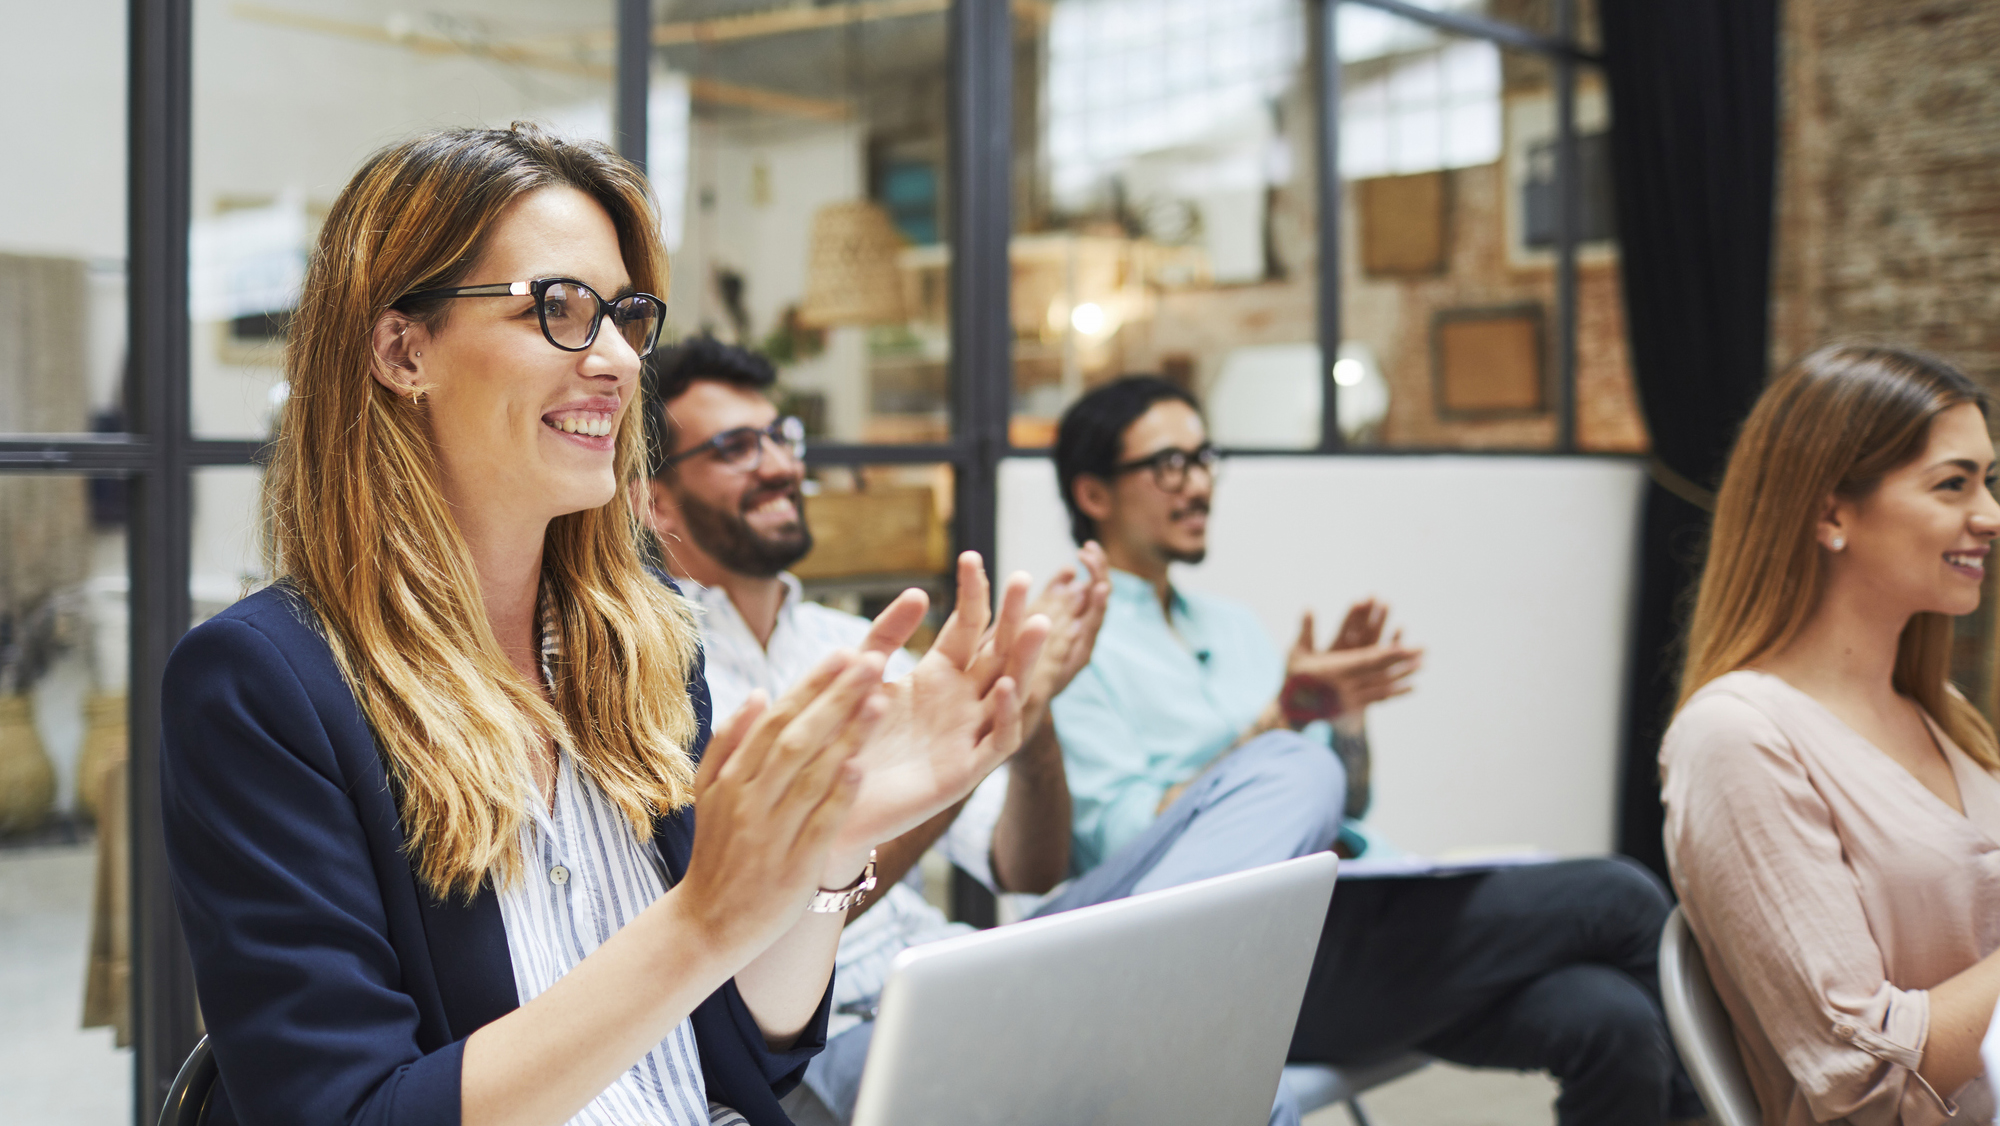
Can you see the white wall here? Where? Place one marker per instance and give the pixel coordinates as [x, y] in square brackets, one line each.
[1516, 574]
[63, 192]
[281, 109]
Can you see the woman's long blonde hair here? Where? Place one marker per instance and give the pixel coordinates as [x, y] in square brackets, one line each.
[361, 529]
[1833, 425]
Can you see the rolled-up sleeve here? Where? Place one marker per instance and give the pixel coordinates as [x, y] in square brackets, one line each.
[1760, 867]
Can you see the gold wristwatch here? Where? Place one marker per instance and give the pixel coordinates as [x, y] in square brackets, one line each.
[840, 899]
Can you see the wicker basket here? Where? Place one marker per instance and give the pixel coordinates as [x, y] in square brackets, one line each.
[852, 276]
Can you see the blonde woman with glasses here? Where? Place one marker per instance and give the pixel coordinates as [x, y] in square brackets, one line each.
[1833, 810]
[431, 797]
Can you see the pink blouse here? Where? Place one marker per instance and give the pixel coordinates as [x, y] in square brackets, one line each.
[1829, 889]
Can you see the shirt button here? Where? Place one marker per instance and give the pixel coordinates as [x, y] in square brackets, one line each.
[1844, 1031]
[558, 875]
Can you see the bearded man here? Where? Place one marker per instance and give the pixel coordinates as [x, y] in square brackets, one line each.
[725, 500]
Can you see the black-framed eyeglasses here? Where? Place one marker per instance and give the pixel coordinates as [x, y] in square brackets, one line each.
[1170, 466]
[570, 311]
[742, 449]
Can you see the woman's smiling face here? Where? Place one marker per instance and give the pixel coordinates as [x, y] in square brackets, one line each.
[1918, 542]
[523, 429]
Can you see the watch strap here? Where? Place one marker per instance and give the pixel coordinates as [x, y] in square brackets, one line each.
[826, 901]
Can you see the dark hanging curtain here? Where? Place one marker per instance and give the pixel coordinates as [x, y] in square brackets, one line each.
[1693, 141]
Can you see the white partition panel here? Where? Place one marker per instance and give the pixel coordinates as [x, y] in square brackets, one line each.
[1516, 574]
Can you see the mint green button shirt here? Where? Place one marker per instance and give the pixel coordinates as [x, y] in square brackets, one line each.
[1159, 700]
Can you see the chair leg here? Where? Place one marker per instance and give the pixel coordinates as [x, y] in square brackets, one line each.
[1355, 1112]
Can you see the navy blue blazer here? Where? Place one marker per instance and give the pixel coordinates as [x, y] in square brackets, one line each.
[334, 987]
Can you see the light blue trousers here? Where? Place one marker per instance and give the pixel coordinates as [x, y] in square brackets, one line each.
[1277, 797]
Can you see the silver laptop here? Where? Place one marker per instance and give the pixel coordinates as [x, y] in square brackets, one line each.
[1172, 1007]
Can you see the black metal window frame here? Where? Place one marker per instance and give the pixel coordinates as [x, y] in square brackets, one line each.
[1566, 54]
[160, 455]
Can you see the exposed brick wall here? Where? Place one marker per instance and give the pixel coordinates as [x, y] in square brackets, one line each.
[1889, 211]
[1889, 201]
[1395, 317]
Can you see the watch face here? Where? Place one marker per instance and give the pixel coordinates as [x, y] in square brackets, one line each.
[1304, 700]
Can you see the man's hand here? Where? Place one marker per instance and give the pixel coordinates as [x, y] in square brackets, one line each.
[1358, 665]
[1361, 628]
[1030, 848]
[1075, 608]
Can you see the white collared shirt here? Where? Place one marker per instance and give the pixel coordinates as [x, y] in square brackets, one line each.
[584, 875]
[803, 636]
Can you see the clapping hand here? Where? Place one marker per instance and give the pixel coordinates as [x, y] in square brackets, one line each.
[1361, 628]
[1357, 664]
[951, 720]
[776, 783]
[1075, 608]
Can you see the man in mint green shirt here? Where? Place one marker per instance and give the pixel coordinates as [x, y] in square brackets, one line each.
[1186, 696]
[1210, 675]
[1182, 751]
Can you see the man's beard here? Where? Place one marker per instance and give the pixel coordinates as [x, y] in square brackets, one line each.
[1178, 555]
[729, 539]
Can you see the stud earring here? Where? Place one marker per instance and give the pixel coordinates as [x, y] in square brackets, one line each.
[1840, 543]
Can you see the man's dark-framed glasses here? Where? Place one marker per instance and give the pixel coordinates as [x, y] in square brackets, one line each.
[743, 448]
[1170, 466]
[570, 311]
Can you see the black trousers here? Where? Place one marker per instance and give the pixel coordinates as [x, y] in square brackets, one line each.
[1543, 968]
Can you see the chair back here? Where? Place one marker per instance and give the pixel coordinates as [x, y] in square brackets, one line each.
[1701, 1028]
[188, 1099]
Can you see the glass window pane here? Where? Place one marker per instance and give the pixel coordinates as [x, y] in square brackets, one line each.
[1367, 32]
[1363, 25]
[228, 560]
[1166, 216]
[1608, 419]
[815, 224]
[1448, 265]
[62, 221]
[64, 923]
[877, 531]
[290, 97]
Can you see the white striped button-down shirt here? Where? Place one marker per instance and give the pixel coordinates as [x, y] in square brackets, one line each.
[584, 875]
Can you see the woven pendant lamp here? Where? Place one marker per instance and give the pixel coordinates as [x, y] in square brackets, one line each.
[851, 272]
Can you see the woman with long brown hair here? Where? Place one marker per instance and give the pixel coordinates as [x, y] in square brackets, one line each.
[1833, 809]
[430, 796]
